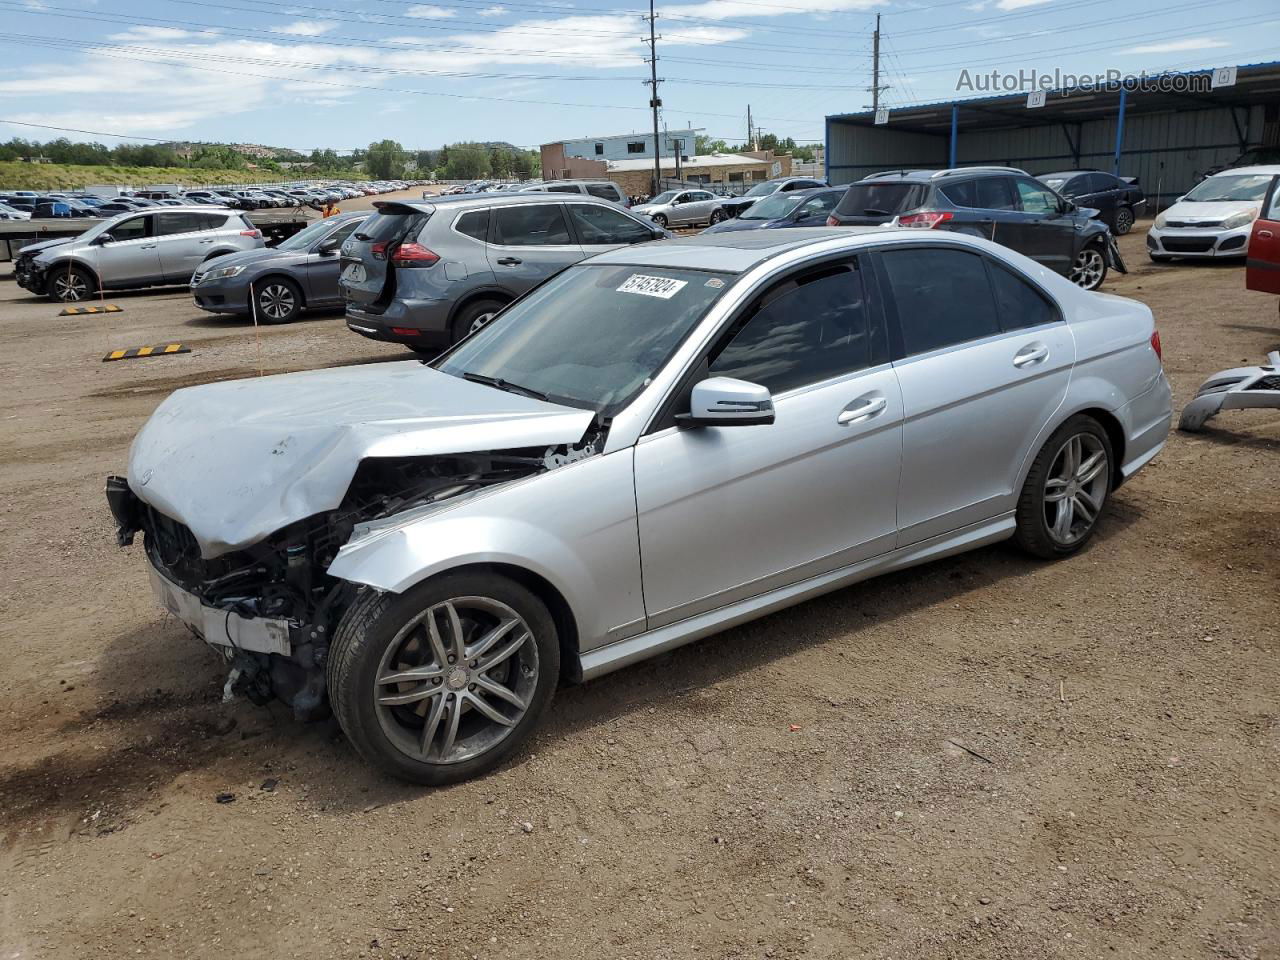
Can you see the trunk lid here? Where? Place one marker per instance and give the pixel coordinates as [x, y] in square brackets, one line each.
[368, 276]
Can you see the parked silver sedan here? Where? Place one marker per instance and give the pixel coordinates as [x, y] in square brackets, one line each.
[657, 444]
[683, 208]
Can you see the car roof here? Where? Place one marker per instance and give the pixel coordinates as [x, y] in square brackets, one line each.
[1269, 169]
[500, 199]
[1068, 173]
[735, 251]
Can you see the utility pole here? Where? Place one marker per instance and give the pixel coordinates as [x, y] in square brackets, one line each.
[751, 130]
[875, 68]
[654, 101]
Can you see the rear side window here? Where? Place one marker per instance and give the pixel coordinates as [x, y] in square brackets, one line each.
[985, 193]
[880, 199]
[942, 297]
[474, 224]
[1020, 304]
[168, 224]
[529, 226]
[803, 330]
[605, 191]
[564, 188]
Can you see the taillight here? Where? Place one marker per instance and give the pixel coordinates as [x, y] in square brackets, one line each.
[256, 234]
[413, 255]
[832, 221]
[1155, 345]
[924, 221]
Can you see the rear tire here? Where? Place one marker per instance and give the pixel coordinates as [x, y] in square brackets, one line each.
[436, 636]
[71, 285]
[718, 216]
[474, 316]
[1066, 490]
[1123, 221]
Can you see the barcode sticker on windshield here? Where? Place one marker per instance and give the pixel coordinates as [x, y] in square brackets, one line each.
[662, 287]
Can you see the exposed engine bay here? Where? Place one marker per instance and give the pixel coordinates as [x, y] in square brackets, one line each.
[283, 577]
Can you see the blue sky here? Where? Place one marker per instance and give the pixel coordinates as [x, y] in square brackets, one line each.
[342, 73]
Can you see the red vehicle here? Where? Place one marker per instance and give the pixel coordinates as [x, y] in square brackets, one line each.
[1262, 268]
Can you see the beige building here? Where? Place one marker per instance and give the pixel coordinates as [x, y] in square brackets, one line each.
[729, 170]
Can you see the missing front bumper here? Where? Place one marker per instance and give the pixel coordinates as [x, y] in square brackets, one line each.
[222, 628]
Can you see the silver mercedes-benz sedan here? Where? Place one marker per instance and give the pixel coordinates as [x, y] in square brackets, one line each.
[656, 444]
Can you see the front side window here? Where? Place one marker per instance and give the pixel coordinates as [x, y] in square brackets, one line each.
[1035, 198]
[942, 297]
[529, 226]
[818, 205]
[134, 228]
[592, 336]
[598, 224]
[803, 330]
[309, 235]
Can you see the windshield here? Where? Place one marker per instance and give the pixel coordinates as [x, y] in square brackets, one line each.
[772, 208]
[1054, 183]
[1224, 187]
[307, 236]
[664, 197]
[762, 190]
[592, 337]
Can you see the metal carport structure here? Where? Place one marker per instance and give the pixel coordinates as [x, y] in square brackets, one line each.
[1165, 137]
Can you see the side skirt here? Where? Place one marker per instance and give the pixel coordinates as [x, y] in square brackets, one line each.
[623, 653]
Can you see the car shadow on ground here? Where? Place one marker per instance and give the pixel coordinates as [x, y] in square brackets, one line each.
[1232, 438]
[176, 723]
[224, 321]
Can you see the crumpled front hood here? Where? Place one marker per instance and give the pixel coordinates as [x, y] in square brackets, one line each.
[238, 460]
[1211, 210]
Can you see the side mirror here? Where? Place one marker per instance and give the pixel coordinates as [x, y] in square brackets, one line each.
[103, 239]
[726, 402]
[328, 246]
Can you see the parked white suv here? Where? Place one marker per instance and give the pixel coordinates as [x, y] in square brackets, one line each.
[143, 249]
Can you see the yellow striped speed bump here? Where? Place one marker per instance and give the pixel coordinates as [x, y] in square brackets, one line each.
[80, 311]
[167, 350]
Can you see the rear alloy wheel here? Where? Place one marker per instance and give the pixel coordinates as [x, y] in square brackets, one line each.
[718, 216]
[445, 681]
[1066, 489]
[1124, 222]
[660, 219]
[474, 316]
[1090, 268]
[71, 285]
[278, 300]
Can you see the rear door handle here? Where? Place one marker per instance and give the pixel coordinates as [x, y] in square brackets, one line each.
[864, 408]
[210, 240]
[1265, 234]
[509, 261]
[1031, 353]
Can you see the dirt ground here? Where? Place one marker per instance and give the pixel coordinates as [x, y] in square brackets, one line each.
[986, 757]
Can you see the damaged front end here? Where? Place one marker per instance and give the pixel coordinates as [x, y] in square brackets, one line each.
[270, 608]
[1241, 388]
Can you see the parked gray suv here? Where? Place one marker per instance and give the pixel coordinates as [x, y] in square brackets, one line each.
[428, 273]
[142, 249]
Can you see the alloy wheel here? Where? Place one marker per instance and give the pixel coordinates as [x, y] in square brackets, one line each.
[70, 287]
[480, 321]
[1088, 269]
[717, 216]
[660, 220]
[1124, 221]
[456, 679]
[276, 301]
[1075, 488]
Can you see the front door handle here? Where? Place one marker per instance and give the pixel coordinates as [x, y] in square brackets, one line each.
[1265, 234]
[210, 240]
[149, 246]
[509, 261]
[864, 408]
[1031, 353]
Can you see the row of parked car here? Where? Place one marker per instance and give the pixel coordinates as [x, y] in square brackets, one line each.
[28, 204]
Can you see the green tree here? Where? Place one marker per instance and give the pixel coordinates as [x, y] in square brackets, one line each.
[467, 161]
[385, 160]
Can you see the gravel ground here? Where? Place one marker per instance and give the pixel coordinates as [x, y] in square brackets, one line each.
[986, 757]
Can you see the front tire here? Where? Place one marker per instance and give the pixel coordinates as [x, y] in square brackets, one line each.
[660, 220]
[718, 216]
[278, 300]
[1065, 490]
[71, 285]
[1089, 268]
[443, 682]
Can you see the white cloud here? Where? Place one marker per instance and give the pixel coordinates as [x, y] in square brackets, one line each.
[1177, 46]
[726, 9]
[425, 11]
[495, 11]
[304, 28]
[1018, 4]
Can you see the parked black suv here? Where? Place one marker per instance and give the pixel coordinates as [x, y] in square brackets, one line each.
[1003, 204]
[1117, 199]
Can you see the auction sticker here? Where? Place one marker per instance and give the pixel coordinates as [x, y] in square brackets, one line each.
[663, 288]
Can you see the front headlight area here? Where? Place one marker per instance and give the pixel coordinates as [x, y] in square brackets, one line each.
[223, 273]
[1240, 219]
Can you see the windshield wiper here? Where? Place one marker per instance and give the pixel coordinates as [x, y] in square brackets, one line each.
[504, 385]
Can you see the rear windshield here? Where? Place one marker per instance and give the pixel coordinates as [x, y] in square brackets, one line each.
[390, 227]
[880, 199]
